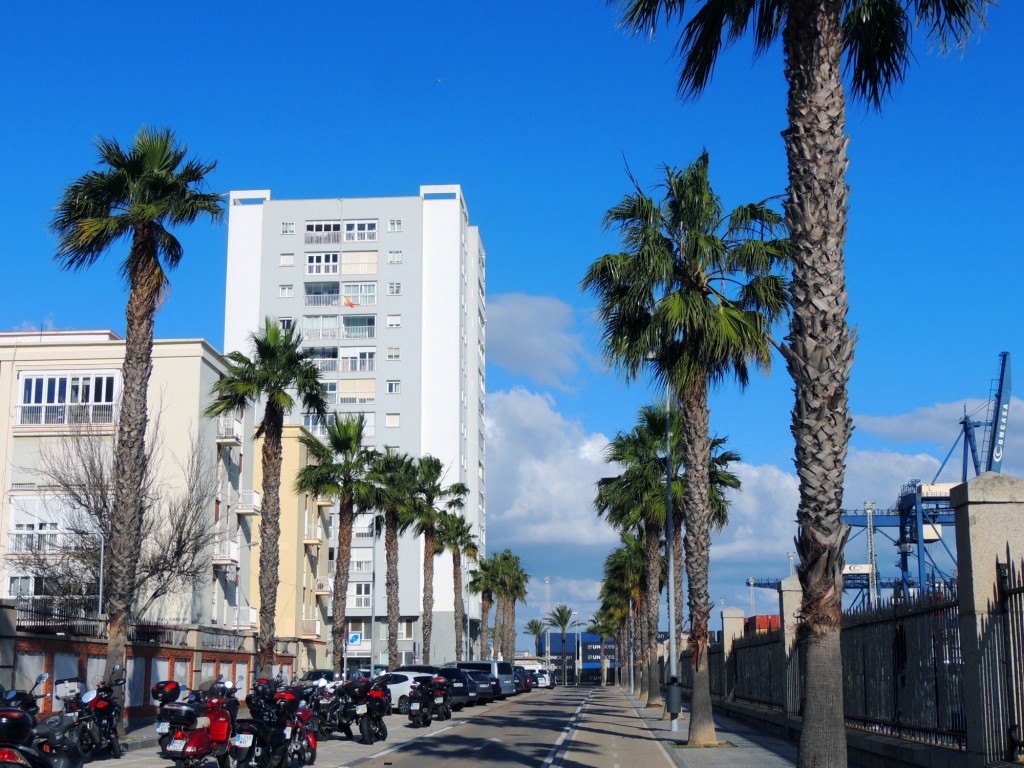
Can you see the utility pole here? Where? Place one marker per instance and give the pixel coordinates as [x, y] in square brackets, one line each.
[547, 633]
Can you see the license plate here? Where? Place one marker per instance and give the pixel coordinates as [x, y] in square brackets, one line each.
[439, 700]
[243, 740]
[288, 732]
[413, 706]
[163, 727]
[361, 709]
[176, 746]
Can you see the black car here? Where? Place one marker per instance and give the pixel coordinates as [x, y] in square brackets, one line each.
[488, 687]
[463, 687]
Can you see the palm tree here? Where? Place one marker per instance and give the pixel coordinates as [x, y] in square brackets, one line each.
[138, 193]
[455, 535]
[511, 581]
[339, 471]
[875, 38]
[392, 478]
[603, 625]
[697, 291]
[482, 582]
[561, 619]
[279, 367]
[535, 628]
[623, 589]
[432, 500]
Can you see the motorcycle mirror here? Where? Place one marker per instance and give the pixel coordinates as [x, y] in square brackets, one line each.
[321, 683]
[42, 678]
[10, 694]
[117, 668]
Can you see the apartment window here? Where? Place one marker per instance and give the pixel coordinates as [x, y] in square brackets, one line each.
[64, 398]
[357, 392]
[330, 392]
[361, 593]
[362, 626]
[287, 227]
[319, 327]
[361, 231]
[286, 323]
[357, 359]
[405, 629]
[394, 225]
[286, 260]
[19, 586]
[316, 424]
[392, 420]
[359, 294]
[395, 257]
[394, 321]
[359, 327]
[369, 425]
[394, 387]
[359, 263]
[328, 231]
[394, 289]
[321, 263]
[285, 291]
[394, 353]
[362, 566]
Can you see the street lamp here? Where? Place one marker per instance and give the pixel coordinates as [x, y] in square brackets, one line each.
[576, 653]
[102, 538]
[674, 695]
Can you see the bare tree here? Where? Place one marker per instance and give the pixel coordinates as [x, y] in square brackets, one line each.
[76, 472]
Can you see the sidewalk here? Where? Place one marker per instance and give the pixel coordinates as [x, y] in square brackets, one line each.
[644, 739]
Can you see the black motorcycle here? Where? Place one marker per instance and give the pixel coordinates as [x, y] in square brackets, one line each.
[429, 697]
[99, 716]
[276, 732]
[24, 741]
[328, 702]
[367, 704]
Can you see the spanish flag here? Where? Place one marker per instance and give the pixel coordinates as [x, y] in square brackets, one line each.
[349, 303]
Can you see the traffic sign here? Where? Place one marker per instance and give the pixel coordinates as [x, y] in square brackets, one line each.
[355, 638]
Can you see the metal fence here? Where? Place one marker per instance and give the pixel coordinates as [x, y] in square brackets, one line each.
[1011, 598]
[60, 616]
[760, 668]
[903, 672]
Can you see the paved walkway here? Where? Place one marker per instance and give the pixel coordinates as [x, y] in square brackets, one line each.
[616, 730]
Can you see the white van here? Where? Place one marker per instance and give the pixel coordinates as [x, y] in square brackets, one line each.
[502, 670]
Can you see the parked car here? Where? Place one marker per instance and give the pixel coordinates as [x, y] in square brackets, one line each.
[545, 679]
[520, 680]
[488, 687]
[502, 671]
[399, 684]
[464, 688]
[311, 676]
[419, 669]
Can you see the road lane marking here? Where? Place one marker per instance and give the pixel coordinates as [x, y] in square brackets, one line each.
[557, 751]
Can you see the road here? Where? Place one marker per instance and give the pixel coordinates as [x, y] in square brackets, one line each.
[531, 729]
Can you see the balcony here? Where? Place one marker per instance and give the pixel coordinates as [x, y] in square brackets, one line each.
[320, 334]
[363, 533]
[229, 431]
[28, 542]
[324, 501]
[325, 364]
[225, 554]
[311, 629]
[66, 413]
[325, 585]
[322, 299]
[246, 618]
[358, 332]
[248, 503]
[313, 535]
[322, 238]
[356, 364]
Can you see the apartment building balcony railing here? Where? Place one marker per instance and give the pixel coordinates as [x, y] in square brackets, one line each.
[332, 334]
[225, 553]
[322, 299]
[331, 567]
[325, 585]
[229, 430]
[211, 639]
[311, 628]
[322, 238]
[65, 413]
[246, 617]
[356, 572]
[313, 535]
[355, 399]
[62, 615]
[320, 334]
[248, 503]
[362, 533]
[26, 543]
[326, 364]
[357, 364]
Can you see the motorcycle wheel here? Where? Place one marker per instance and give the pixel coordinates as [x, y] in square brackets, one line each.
[162, 744]
[115, 747]
[366, 729]
[382, 729]
[309, 756]
[403, 705]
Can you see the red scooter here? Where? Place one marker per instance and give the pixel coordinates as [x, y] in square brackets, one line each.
[201, 726]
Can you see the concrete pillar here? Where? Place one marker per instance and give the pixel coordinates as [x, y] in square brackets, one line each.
[790, 596]
[988, 512]
[732, 627]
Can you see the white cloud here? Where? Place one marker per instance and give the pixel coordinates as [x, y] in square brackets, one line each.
[515, 322]
[35, 325]
[541, 473]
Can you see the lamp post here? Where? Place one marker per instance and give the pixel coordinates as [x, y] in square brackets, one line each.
[576, 651]
[102, 538]
[674, 695]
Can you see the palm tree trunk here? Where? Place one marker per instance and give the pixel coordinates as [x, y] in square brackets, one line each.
[499, 618]
[697, 542]
[342, 557]
[428, 592]
[652, 542]
[391, 556]
[485, 609]
[130, 470]
[819, 356]
[270, 538]
[510, 631]
[678, 554]
[460, 607]
[639, 646]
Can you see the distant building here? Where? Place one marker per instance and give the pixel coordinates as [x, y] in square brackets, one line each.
[389, 293]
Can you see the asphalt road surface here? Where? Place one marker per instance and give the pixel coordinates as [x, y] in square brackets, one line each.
[532, 729]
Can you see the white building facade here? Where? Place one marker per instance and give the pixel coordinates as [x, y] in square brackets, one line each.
[389, 293]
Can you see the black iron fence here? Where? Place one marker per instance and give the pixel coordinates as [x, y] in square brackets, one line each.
[760, 668]
[60, 615]
[903, 672]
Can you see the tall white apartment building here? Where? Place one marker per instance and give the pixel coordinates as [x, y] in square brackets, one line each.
[389, 293]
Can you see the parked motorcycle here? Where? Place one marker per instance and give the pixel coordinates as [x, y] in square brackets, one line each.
[99, 716]
[24, 741]
[429, 697]
[328, 702]
[201, 726]
[277, 734]
[367, 703]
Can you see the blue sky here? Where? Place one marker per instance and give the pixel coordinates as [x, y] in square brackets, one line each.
[536, 109]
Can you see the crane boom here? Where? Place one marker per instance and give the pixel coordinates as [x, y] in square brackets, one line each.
[1000, 414]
